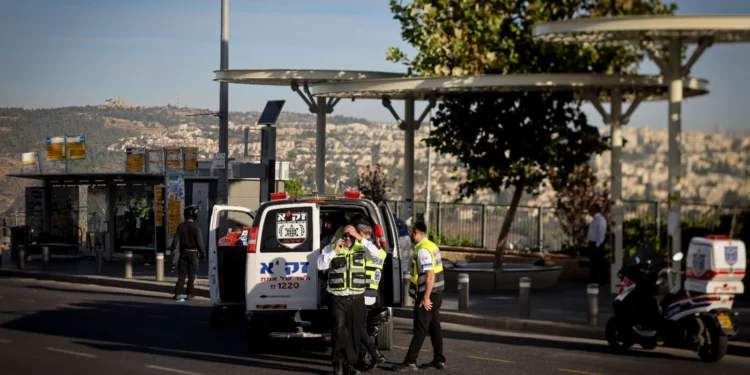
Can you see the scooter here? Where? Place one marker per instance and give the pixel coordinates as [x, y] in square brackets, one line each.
[686, 320]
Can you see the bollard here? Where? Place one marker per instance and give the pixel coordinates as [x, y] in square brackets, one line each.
[128, 264]
[98, 261]
[593, 295]
[463, 292]
[159, 267]
[21, 257]
[45, 257]
[408, 301]
[524, 289]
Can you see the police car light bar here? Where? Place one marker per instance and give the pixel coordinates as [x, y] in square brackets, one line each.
[352, 195]
[278, 196]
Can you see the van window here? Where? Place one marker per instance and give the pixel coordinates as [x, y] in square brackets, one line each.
[287, 230]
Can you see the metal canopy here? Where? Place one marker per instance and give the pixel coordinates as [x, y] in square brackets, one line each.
[305, 78]
[672, 33]
[92, 178]
[595, 88]
[285, 77]
[631, 86]
[625, 30]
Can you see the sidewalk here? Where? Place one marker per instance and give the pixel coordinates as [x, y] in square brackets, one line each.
[561, 312]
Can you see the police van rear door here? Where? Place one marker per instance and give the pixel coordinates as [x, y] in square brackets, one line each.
[393, 262]
[282, 271]
[226, 264]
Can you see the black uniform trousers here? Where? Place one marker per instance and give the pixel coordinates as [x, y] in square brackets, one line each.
[188, 264]
[427, 323]
[348, 314]
[597, 263]
[367, 342]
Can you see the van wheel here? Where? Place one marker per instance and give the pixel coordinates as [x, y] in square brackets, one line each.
[255, 340]
[385, 336]
[214, 319]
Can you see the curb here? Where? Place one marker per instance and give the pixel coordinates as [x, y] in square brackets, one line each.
[512, 324]
[149, 286]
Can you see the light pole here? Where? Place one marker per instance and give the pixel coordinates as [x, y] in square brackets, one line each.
[223, 183]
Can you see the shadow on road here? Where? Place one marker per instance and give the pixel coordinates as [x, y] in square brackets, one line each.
[567, 345]
[166, 329]
[87, 291]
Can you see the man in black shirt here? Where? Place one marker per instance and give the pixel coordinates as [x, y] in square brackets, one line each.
[191, 242]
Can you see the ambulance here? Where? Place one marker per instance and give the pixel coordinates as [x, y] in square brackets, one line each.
[274, 275]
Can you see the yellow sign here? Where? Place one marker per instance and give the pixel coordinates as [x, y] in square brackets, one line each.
[159, 206]
[191, 158]
[55, 148]
[135, 160]
[174, 159]
[76, 147]
[174, 216]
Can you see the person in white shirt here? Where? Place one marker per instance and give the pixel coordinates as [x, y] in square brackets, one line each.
[596, 239]
[347, 281]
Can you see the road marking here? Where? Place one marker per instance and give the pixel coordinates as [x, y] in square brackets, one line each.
[579, 372]
[171, 370]
[4, 341]
[491, 359]
[71, 352]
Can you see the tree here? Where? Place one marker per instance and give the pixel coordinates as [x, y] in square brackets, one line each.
[574, 194]
[374, 184]
[511, 140]
[293, 186]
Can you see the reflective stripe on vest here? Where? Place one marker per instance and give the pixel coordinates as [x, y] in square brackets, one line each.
[347, 271]
[374, 270]
[419, 280]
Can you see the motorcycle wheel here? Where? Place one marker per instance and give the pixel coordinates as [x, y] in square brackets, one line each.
[618, 334]
[715, 350]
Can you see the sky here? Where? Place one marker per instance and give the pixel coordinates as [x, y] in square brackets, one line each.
[81, 52]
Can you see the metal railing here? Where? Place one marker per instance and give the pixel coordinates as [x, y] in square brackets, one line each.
[536, 227]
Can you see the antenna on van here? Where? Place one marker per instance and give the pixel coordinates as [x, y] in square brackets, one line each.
[315, 188]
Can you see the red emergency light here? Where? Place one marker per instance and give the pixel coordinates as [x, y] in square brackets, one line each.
[352, 195]
[278, 196]
[717, 237]
[252, 241]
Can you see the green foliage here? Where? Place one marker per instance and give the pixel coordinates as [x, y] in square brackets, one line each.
[574, 194]
[448, 240]
[374, 183]
[293, 186]
[517, 139]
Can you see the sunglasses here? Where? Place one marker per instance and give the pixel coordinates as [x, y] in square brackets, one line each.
[346, 236]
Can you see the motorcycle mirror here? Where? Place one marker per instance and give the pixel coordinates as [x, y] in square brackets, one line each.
[677, 257]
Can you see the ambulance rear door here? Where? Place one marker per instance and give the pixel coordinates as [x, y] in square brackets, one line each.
[281, 269]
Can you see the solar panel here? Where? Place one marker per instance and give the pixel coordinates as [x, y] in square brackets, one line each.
[271, 112]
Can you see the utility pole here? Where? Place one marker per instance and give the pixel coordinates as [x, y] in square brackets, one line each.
[429, 177]
[223, 186]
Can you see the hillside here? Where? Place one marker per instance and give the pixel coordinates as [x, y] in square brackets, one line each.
[717, 165]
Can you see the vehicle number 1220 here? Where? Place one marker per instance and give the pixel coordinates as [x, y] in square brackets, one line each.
[287, 286]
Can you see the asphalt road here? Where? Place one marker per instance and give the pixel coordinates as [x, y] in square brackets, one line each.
[60, 328]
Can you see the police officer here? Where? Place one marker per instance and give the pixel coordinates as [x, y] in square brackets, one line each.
[347, 281]
[374, 272]
[231, 238]
[427, 284]
[190, 238]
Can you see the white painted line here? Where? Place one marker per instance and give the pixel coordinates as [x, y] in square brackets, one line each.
[171, 370]
[71, 352]
[4, 341]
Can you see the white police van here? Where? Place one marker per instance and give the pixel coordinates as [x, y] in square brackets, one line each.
[275, 274]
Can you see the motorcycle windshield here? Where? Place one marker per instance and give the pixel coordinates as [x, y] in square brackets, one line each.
[643, 254]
